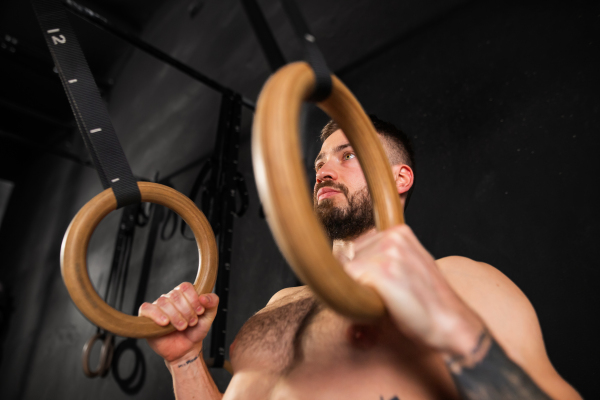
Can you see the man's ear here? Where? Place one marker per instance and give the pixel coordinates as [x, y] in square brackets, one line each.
[404, 177]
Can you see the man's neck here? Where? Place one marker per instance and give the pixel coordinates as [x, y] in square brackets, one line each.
[344, 250]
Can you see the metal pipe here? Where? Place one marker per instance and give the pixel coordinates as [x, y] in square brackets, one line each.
[129, 37]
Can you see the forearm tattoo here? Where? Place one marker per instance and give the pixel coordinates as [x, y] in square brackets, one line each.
[494, 376]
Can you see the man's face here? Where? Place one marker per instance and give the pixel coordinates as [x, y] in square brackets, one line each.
[341, 199]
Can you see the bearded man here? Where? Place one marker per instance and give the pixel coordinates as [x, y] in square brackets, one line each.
[455, 327]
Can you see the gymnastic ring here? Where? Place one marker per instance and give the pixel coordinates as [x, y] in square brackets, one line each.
[106, 354]
[281, 182]
[74, 266]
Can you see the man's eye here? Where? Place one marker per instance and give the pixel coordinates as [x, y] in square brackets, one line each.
[348, 156]
[318, 167]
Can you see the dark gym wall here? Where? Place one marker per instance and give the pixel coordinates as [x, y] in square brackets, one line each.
[499, 98]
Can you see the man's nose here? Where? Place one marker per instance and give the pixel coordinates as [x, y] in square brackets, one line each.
[327, 172]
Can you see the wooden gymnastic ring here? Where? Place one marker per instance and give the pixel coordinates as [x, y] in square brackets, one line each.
[282, 183]
[74, 266]
[105, 358]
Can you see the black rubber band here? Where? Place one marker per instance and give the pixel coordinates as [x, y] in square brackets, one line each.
[87, 105]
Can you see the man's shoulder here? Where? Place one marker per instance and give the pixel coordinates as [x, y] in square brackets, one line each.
[508, 315]
[489, 292]
[289, 294]
[463, 271]
[499, 302]
[460, 264]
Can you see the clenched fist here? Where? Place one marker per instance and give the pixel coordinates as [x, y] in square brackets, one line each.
[192, 316]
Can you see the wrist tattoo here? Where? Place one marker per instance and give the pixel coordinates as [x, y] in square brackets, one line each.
[491, 374]
[188, 362]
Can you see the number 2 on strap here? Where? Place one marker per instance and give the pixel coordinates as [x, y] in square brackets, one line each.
[60, 39]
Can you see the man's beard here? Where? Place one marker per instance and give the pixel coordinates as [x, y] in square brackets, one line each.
[349, 222]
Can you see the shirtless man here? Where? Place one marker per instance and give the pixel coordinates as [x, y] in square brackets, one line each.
[455, 327]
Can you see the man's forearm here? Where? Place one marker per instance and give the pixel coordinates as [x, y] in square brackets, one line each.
[191, 380]
[493, 375]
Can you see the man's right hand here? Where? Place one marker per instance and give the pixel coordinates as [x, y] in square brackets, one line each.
[190, 314]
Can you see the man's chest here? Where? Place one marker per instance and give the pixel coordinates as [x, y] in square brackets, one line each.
[267, 339]
[298, 338]
[303, 330]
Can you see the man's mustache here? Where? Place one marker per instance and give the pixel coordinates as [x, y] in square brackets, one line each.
[337, 186]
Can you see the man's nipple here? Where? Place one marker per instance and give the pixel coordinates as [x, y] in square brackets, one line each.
[362, 336]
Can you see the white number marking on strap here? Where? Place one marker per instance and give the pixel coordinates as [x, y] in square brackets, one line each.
[59, 39]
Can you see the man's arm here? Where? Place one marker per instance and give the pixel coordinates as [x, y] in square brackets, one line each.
[511, 349]
[192, 316]
[192, 380]
[450, 318]
[487, 373]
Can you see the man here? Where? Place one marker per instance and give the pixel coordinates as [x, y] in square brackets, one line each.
[455, 327]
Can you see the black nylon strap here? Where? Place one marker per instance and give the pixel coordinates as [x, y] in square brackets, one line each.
[87, 105]
[263, 33]
[313, 55]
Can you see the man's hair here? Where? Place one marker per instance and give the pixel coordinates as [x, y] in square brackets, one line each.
[400, 145]
[398, 142]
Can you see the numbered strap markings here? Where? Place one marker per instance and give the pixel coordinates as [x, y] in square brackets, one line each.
[59, 39]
